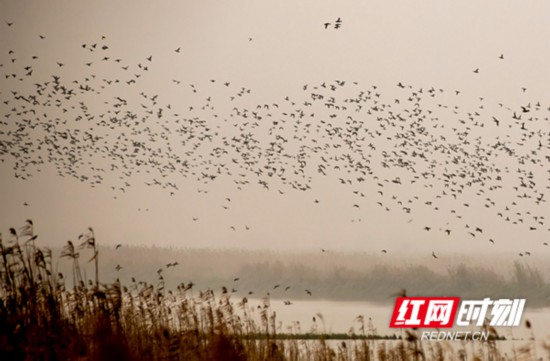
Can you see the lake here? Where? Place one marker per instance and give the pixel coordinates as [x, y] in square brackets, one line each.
[339, 316]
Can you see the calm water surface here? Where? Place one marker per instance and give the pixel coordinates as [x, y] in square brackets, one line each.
[340, 317]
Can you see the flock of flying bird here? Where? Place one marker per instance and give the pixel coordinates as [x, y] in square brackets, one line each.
[103, 128]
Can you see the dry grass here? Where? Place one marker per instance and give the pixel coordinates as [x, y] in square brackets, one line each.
[45, 315]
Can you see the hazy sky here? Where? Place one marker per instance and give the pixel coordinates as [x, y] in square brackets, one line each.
[267, 51]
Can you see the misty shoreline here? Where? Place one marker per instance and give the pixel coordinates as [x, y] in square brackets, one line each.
[331, 276]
